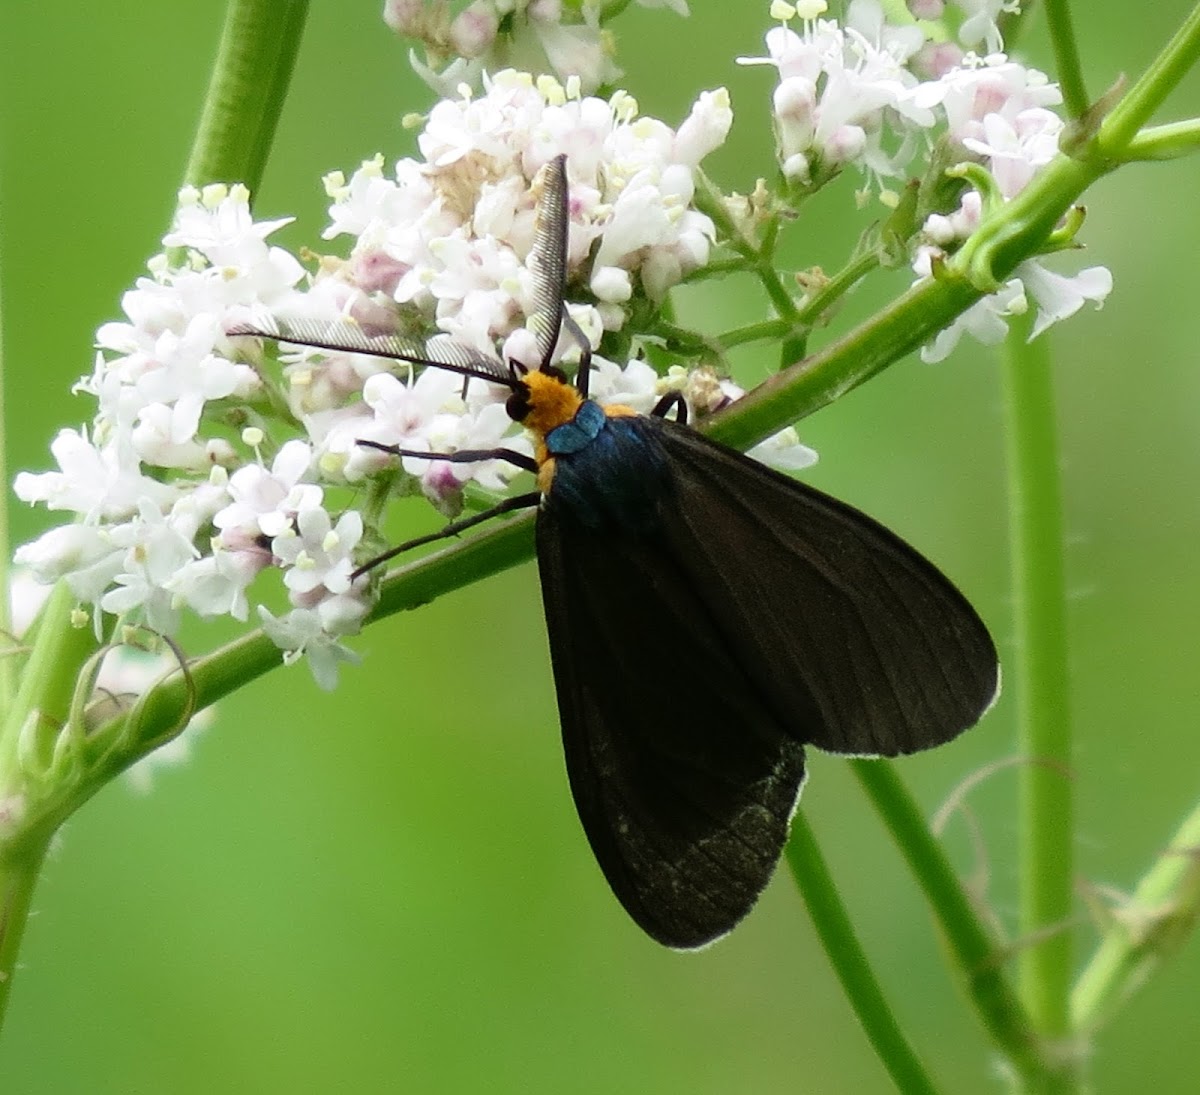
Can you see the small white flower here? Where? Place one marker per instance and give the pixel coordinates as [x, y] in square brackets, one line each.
[784, 450]
[216, 584]
[1017, 149]
[300, 633]
[164, 436]
[634, 385]
[1054, 295]
[985, 320]
[268, 502]
[318, 555]
[85, 555]
[154, 552]
[981, 26]
[96, 482]
[705, 128]
[981, 86]
[1059, 297]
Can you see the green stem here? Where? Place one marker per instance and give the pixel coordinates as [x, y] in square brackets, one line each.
[1163, 910]
[246, 92]
[1066, 56]
[31, 726]
[1038, 671]
[43, 702]
[708, 200]
[849, 962]
[1137, 105]
[19, 870]
[767, 329]
[975, 952]
[7, 665]
[837, 286]
[1165, 142]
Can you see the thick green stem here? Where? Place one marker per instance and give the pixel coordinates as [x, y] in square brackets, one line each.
[1162, 912]
[849, 962]
[32, 724]
[19, 870]
[7, 665]
[976, 954]
[1066, 56]
[43, 702]
[1038, 674]
[246, 92]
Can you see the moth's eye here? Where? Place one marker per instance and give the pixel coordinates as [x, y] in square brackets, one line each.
[554, 373]
[518, 405]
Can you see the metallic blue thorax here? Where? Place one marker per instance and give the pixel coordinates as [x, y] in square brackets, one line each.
[609, 473]
[580, 432]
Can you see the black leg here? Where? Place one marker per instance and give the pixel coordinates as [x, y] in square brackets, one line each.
[518, 501]
[664, 405]
[463, 456]
[585, 354]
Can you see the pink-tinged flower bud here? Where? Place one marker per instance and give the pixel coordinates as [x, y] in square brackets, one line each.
[934, 59]
[846, 144]
[926, 9]
[405, 17]
[377, 272]
[474, 30]
[794, 103]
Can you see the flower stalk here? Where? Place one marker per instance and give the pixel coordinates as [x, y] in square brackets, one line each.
[246, 92]
[832, 921]
[1039, 676]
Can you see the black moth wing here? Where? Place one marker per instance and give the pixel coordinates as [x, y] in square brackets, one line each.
[757, 616]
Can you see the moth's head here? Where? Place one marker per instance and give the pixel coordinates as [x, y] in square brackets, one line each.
[541, 399]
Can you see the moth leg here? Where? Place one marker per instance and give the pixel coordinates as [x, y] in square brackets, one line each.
[664, 405]
[517, 501]
[585, 353]
[463, 456]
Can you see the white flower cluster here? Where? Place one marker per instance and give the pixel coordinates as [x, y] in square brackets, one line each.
[491, 35]
[200, 470]
[849, 94]
[209, 461]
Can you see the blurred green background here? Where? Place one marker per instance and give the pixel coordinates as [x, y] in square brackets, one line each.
[386, 888]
